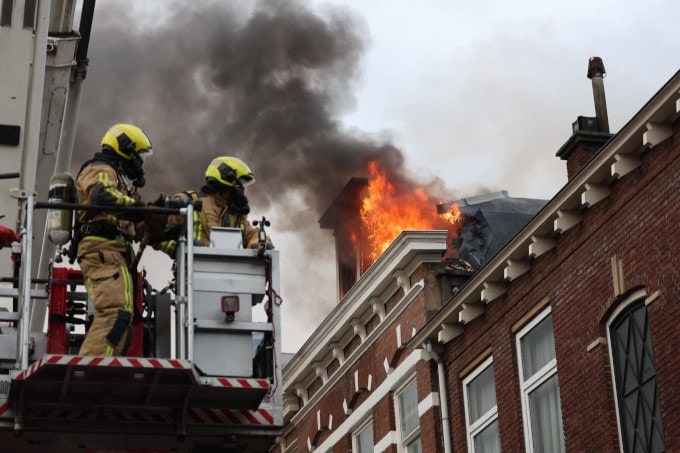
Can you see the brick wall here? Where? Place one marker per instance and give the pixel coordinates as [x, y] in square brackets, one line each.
[640, 224]
[372, 362]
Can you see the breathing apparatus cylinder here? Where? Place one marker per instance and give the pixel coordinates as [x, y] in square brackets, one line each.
[60, 221]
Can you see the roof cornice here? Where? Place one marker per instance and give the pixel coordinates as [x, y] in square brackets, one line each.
[408, 248]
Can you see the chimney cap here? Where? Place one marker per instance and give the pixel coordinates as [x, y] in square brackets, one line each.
[596, 67]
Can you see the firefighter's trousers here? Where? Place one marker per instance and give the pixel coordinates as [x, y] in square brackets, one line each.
[104, 264]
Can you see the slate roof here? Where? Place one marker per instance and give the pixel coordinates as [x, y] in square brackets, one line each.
[488, 223]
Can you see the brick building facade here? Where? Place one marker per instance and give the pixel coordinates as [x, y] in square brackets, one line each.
[565, 340]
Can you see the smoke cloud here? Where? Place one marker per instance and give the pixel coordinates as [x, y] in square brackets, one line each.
[265, 82]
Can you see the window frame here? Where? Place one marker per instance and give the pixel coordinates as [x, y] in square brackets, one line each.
[533, 382]
[361, 428]
[405, 439]
[484, 420]
[632, 299]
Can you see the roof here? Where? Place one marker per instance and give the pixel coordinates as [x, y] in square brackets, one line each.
[618, 157]
[489, 221]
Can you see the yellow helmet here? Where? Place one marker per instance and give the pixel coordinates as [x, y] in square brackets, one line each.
[127, 141]
[229, 171]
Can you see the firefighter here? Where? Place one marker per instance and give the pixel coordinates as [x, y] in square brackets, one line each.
[223, 204]
[104, 238]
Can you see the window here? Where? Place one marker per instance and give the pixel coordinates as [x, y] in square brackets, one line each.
[481, 413]
[408, 419]
[6, 13]
[29, 13]
[362, 439]
[540, 389]
[635, 380]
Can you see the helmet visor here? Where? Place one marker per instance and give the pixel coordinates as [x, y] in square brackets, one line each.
[246, 180]
[144, 153]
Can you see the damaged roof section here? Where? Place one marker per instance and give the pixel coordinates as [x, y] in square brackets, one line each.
[488, 222]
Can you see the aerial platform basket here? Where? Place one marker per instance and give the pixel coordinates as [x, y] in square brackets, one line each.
[205, 366]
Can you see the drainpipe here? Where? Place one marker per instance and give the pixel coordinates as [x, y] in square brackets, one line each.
[443, 397]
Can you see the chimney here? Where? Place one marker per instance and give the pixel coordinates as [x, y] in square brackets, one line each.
[343, 217]
[589, 134]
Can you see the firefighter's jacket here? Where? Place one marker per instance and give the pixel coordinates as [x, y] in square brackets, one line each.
[100, 184]
[213, 213]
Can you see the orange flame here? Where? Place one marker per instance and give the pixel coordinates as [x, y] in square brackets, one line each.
[387, 210]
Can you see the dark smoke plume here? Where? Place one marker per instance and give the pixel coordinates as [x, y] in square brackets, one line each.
[211, 80]
[266, 85]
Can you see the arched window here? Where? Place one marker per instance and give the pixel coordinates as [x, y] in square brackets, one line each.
[635, 379]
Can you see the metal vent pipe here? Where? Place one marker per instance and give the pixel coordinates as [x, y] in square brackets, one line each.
[596, 73]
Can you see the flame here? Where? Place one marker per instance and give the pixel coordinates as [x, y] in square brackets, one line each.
[387, 210]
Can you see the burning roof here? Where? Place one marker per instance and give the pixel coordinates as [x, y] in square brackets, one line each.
[369, 213]
[488, 222]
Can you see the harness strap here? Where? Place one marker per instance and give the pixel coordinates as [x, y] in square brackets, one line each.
[104, 230]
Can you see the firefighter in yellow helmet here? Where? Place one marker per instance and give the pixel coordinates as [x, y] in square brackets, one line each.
[104, 238]
[223, 203]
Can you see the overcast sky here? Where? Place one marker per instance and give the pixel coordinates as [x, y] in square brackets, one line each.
[479, 95]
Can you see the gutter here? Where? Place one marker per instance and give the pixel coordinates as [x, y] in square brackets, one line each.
[443, 397]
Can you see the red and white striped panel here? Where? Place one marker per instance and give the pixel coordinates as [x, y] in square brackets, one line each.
[260, 417]
[81, 415]
[262, 384]
[6, 410]
[121, 362]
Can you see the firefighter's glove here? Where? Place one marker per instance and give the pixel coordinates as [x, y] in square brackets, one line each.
[172, 233]
[166, 201]
[156, 221]
[160, 201]
[134, 216]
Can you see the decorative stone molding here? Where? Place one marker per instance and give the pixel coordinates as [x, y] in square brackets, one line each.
[321, 371]
[378, 308]
[320, 429]
[470, 312]
[625, 163]
[540, 245]
[403, 281]
[656, 133]
[359, 329]
[302, 394]
[348, 406]
[593, 194]
[291, 403]
[392, 361]
[449, 331]
[492, 291]
[515, 268]
[566, 219]
[337, 352]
